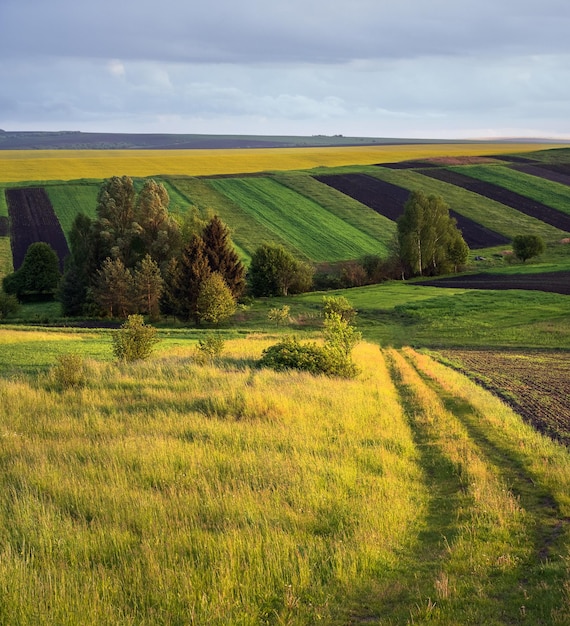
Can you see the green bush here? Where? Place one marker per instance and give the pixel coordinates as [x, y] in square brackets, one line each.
[309, 357]
[210, 347]
[279, 315]
[134, 340]
[69, 372]
[339, 305]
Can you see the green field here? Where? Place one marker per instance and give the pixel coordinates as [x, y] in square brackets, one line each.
[308, 227]
[547, 192]
[5, 257]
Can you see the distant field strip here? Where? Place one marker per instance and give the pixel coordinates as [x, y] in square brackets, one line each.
[495, 192]
[490, 213]
[306, 226]
[43, 165]
[6, 266]
[70, 199]
[549, 193]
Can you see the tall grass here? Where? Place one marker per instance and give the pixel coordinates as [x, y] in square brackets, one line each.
[22, 165]
[168, 493]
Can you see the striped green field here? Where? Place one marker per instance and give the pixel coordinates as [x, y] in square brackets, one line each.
[488, 213]
[69, 199]
[341, 205]
[550, 193]
[3, 203]
[307, 226]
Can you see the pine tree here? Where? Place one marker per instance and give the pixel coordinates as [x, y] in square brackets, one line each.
[222, 256]
[193, 269]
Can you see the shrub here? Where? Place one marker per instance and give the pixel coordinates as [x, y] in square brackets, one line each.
[309, 357]
[279, 315]
[8, 305]
[69, 372]
[134, 340]
[215, 303]
[339, 305]
[528, 246]
[210, 347]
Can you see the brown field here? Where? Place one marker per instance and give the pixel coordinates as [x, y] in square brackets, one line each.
[33, 219]
[553, 282]
[389, 200]
[509, 198]
[535, 384]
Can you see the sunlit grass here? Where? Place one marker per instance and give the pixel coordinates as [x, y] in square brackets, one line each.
[170, 492]
[38, 165]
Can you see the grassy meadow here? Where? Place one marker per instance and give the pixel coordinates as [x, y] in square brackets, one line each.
[170, 492]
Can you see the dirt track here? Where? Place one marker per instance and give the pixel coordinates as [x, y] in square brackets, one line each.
[554, 282]
[389, 200]
[33, 219]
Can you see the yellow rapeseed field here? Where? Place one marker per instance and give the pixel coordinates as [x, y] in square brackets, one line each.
[43, 165]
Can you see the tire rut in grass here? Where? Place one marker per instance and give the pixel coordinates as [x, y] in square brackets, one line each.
[542, 578]
[413, 586]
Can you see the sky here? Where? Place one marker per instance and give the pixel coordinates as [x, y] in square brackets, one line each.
[366, 68]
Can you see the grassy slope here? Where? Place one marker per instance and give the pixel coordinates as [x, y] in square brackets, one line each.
[489, 213]
[552, 194]
[70, 199]
[349, 210]
[308, 227]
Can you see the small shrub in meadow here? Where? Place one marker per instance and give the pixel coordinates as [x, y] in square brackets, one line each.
[279, 315]
[134, 340]
[209, 347]
[69, 372]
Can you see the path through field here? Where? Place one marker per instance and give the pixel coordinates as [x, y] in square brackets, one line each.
[493, 534]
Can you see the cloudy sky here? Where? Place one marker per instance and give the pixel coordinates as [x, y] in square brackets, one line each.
[377, 68]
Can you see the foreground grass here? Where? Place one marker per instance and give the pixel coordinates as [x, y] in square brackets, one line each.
[44, 165]
[170, 493]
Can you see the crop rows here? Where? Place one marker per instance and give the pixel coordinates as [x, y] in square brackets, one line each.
[536, 384]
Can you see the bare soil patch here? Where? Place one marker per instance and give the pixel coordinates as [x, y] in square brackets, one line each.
[543, 172]
[33, 219]
[553, 282]
[389, 200]
[536, 384]
[525, 205]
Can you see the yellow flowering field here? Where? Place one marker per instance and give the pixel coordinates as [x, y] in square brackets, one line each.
[43, 165]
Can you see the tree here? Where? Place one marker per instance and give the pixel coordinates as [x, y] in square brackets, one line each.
[528, 246]
[429, 241]
[38, 276]
[158, 234]
[222, 256]
[192, 270]
[216, 302]
[148, 287]
[115, 227]
[275, 272]
[74, 286]
[113, 289]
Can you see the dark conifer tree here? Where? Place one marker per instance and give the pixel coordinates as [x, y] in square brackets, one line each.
[222, 256]
[193, 269]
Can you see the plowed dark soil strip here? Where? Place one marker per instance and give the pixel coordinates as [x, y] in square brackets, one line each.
[543, 172]
[553, 282]
[389, 200]
[540, 211]
[33, 219]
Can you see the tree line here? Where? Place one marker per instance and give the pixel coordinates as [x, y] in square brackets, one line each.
[135, 257]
